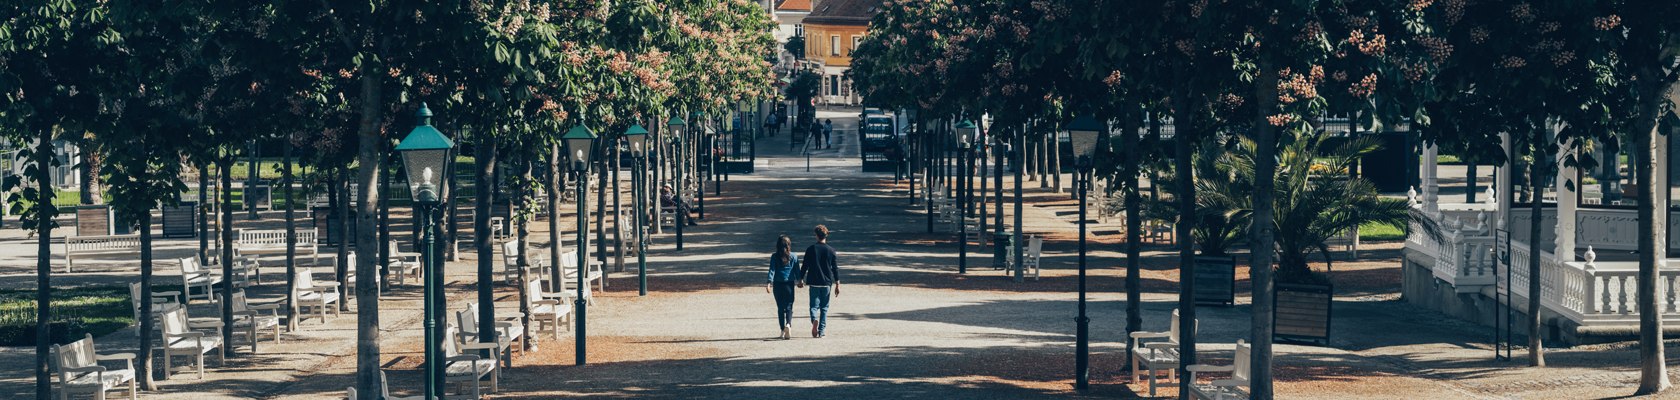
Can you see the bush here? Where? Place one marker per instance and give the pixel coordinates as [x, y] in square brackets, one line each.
[75, 312]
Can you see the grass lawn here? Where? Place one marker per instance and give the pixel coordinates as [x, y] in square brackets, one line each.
[94, 310]
[1380, 233]
[1448, 159]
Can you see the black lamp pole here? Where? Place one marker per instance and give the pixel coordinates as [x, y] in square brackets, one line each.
[637, 184]
[583, 260]
[1082, 361]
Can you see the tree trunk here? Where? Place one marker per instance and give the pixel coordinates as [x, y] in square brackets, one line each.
[90, 176]
[252, 172]
[144, 362]
[556, 285]
[1020, 170]
[44, 211]
[1054, 148]
[485, 189]
[1134, 225]
[1536, 352]
[291, 242]
[370, 155]
[342, 267]
[618, 209]
[225, 169]
[524, 232]
[1185, 175]
[1653, 227]
[1262, 234]
[601, 212]
[204, 213]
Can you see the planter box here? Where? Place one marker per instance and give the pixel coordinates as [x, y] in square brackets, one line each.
[181, 221]
[93, 220]
[1301, 313]
[327, 226]
[1216, 281]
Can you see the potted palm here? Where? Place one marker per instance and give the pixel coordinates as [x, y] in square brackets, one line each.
[1222, 212]
[1318, 199]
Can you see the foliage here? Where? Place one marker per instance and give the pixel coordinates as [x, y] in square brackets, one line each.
[96, 310]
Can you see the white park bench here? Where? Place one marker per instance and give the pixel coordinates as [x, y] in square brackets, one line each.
[468, 369]
[195, 276]
[547, 310]
[1157, 355]
[262, 242]
[1235, 388]
[507, 327]
[84, 246]
[569, 270]
[79, 370]
[403, 263]
[180, 336]
[308, 295]
[249, 318]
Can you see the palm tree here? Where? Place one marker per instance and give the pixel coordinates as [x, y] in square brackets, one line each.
[1223, 206]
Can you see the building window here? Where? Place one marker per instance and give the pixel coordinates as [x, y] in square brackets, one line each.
[855, 40]
[834, 85]
[799, 29]
[834, 45]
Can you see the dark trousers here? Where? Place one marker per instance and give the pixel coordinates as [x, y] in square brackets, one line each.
[784, 303]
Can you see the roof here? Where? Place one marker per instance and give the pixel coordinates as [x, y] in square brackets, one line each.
[843, 12]
[793, 5]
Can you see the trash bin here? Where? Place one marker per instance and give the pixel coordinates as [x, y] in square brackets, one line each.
[1003, 249]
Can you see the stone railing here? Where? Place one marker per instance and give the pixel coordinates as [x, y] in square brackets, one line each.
[1463, 255]
[1591, 292]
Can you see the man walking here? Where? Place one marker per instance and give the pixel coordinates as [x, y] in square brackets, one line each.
[821, 272]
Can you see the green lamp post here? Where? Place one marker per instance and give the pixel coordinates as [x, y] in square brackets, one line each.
[965, 131]
[580, 145]
[426, 155]
[637, 136]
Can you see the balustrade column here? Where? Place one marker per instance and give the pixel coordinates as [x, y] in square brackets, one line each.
[1431, 189]
[1564, 231]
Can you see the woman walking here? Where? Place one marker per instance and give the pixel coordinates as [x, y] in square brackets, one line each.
[781, 282]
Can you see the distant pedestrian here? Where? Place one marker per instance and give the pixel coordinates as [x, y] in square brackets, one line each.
[821, 271]
[781, 282]
[828, 132]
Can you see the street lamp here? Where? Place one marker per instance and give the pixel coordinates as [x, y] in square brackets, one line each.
[1083, 133]
[965, 131]
[426, 154]
[637, 136]
[580, 144]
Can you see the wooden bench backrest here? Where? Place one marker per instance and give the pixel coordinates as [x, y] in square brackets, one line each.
[534, 292]
[568, 260]
[272, 237]
[450, 332]
[100, 243]
[305, 279]
[188, 265]
[75, 354]
[1035, 247]
[1176, 331]
[510, 253]
[1239, 365]
[174, 322]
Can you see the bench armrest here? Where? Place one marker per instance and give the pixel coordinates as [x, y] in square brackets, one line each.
[90, 368]
[1209, 368]
[463, 357]
[263, 307]
[165, 293]
[1141, 335]
[547, 301]
[1160, 345]
[481, 346]
[114, 357]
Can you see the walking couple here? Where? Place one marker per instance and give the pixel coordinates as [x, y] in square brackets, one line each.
[817, 269]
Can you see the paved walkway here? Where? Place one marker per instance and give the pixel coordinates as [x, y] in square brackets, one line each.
[905, 324]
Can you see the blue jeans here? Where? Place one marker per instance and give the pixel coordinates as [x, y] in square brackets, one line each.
[819, 307]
